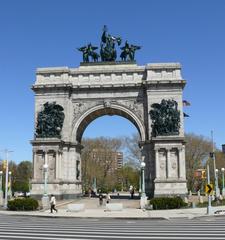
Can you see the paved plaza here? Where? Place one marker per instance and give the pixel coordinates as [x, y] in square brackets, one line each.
[131, 209]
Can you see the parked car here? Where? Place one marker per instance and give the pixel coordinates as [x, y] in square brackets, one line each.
[219, 212]
[22, 194]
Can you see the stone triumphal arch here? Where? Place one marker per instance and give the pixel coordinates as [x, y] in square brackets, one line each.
[68, 99]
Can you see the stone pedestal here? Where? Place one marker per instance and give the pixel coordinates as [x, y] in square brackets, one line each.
[62, 159]
[45, 202]
[200, 199]
[143, 202]
[170, 166]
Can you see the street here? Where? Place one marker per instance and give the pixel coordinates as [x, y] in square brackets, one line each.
[27, 227]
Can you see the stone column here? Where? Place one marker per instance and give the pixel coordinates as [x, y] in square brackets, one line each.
[182, 167]
[57, 165]
[157, 163]
[168, 163]
[34, 165]
[64, 162]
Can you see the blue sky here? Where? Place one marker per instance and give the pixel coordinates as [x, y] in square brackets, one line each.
[45, 33]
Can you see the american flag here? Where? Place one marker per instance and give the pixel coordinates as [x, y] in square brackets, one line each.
[186, 103]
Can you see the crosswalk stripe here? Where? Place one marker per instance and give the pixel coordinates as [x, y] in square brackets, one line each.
[62, 228]
[121, 230]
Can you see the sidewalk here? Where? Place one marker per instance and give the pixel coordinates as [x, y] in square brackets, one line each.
[126, 213]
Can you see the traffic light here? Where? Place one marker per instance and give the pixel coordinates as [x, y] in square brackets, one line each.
[211, 154]
[203, 174]
[4, 164]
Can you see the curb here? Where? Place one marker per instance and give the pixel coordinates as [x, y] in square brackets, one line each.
[88, 217]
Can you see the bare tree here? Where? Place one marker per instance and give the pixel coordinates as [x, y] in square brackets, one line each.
[98, 161]
[220, 163]
[197, 153]
[133, 150]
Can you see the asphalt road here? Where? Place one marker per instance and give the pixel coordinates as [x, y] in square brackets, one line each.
[16, 227]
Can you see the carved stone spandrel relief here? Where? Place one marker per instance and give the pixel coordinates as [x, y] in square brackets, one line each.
[134, 106]
[80, 107]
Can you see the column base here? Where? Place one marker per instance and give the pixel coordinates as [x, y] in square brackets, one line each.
[61, 190]
[45, 202]
[167, 187]
[143, 202]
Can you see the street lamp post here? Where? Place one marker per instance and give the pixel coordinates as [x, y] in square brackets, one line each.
[94, 185]
[223, 190]
[45, 179]
[45, 198]
[10, 186]
[1, 192]
[6, 177]
[143, 201]
[140, 180]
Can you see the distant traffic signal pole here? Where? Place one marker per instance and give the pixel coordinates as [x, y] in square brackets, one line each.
[214, 166]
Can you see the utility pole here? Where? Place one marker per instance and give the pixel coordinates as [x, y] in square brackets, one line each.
[214, 166]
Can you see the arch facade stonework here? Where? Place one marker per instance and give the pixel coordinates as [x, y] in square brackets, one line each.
[96, 89]
[107, 108]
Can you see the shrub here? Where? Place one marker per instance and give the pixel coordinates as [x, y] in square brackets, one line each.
[23, 204]
[167, 203]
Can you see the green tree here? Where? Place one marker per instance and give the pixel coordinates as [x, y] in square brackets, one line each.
[12, 167]
[130, 176]
[21, 178]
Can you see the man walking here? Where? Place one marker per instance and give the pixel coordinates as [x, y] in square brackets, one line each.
[52, 203]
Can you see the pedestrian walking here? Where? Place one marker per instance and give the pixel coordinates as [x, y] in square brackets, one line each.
[89, 192]
[131, 189]
[108, 198]
[132, 193]
[100, 196]
[53, 203]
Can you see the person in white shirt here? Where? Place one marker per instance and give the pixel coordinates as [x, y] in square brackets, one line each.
[108, 198]
[52, 203]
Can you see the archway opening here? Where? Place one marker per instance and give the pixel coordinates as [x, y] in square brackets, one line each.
[100, 111]
[111, 155]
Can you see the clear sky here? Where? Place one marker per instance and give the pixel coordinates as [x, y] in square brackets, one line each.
[46, 33]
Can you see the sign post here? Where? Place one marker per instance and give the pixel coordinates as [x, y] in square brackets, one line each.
[209, 190]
